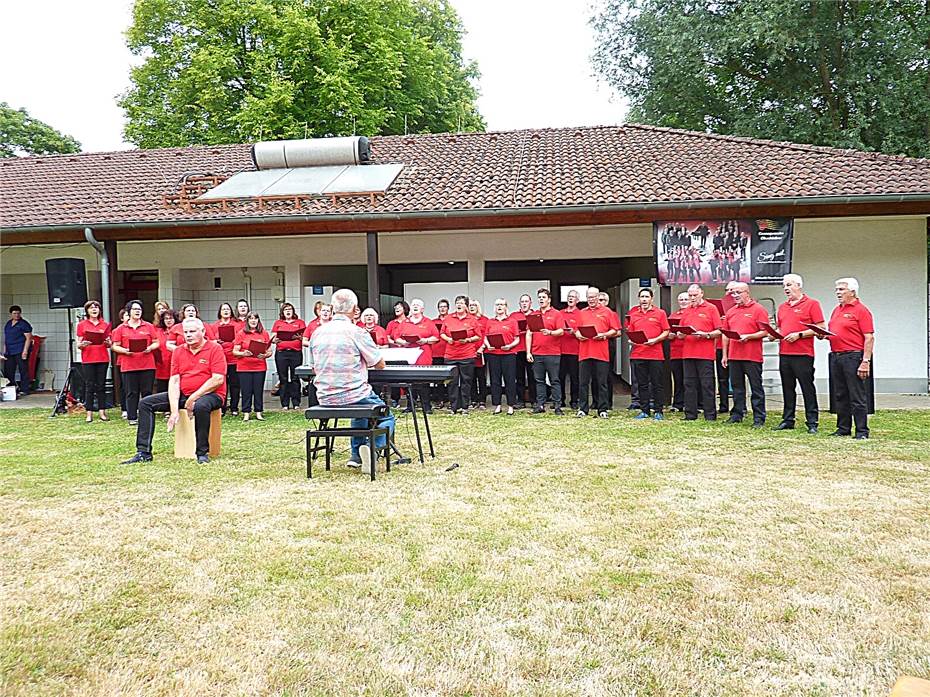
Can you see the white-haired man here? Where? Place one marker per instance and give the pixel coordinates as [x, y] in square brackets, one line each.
[602, 324]
[852, 343]
[341, 354]
[796, 352]
[743, 354]
[418, 331]
[197, 384]
[699, 353]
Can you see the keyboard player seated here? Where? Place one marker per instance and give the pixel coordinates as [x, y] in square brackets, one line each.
[341, 354]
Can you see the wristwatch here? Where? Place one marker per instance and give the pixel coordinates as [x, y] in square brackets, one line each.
[866, 360]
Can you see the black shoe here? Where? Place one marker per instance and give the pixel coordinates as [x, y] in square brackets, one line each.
[723, 410]
[137, 458]
[812, 429]
[784, 426]
[202, 459]
[539, 410]
[734, 420]
[861, 436]
[758, 424]
[558, 411]
[634, 406]
[840, 433]
[690, 418]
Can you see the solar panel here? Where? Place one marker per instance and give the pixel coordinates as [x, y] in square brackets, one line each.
[364, 178]
[244, 185]
[304, 180]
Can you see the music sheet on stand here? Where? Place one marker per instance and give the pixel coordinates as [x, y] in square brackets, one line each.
[401, 355]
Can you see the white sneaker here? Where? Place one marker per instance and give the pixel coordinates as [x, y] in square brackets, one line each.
[353, 464]
[364, 454]
[602, 414]
[580, 414]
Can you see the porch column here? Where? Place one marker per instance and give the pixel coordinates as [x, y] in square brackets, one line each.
[374, 286]
[293, 291]
[169, 283]
[476, 281]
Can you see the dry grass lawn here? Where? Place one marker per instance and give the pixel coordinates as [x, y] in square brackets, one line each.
[561, 558]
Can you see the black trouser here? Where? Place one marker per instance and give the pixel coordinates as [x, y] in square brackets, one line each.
[460, 387]
[137, 384]
[439, 391]
[161, 385]
[568, 371]
[158, 402]
[699, 377]
[253, 390]
[678, 387]
[95, 385]
[232, 389]
[740, 371]
[526, 383]
[14, 362]
[479, 392]
[723, 382]
[502, 369]
[851, 397]
[543, 367]
[594, 378]
[650, 377]
[287, 361]
[794, 370]
[122, 391]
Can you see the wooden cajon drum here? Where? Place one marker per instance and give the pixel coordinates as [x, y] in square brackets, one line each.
[185, 440]
[911, 687]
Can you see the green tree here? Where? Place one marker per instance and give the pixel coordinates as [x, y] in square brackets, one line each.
[20, 134]
[845, 73]
[222, 71]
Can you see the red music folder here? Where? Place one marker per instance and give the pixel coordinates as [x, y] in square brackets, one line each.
[718, 304]
[459, 334]
[438, 324]
[257, 347]
[588, 331]
[819, 331]
[285, 335]
[772, 332]
[411, 338]
[637, 337]
[535, 323]
[521, 325]
[730, 334]
[226, 332]
[138, 345]
[95, 338]
[496, 340]
[685, 329]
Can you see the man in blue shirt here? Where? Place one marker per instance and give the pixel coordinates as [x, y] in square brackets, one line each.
[17, 338]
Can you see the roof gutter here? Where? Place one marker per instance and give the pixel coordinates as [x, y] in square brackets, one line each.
[503, 212]
[104, 269]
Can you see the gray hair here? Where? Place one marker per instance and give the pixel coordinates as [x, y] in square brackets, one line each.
[192, 320]
[851, 283]
[370, 312]
[344, 300]
[417, 300]
[793, 278]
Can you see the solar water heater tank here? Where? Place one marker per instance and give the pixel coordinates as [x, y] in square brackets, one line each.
[311, 152]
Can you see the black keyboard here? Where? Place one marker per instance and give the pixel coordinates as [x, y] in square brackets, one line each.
[398, 374]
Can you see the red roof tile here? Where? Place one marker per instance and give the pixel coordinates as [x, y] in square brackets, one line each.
[532, 169]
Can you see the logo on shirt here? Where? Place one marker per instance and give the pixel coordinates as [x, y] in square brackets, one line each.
[202, 360]
[846, 315]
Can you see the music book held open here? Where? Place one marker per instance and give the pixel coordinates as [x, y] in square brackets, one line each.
[535, 323]
[588, 331]
[521, 325]
[286, 335]
[459, 334]
[685, 329]
[772, 332]
[411, 338]
[819, 331]
[730, 334]
[496, 340]
[138, 345]
[226, 332]
[637, 337]
[257, 347]
[95, 338]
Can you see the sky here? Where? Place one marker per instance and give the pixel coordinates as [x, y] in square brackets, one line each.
[67, 65]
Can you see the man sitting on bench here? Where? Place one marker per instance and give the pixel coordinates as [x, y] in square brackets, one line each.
[197, 384]
[341, 354]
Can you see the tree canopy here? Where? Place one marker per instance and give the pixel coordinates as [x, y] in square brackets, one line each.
[845, 73]
[20, 134]
[221, 71]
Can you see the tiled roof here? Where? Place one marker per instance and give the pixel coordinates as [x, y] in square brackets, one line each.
[530, 169]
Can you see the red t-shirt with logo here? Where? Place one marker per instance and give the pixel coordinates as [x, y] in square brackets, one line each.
[196, 369]
[519, 316]
[295, 325]
[95, 353]
[424, 329]
[789, 318]
[744, 319]
[675, 346]
[507, 328]
[603, 319]
[456, 351]
[251, 364]
[704, 318]
[176, 333]
[850, 323]
[569, 344]
[548, 345]
[227, 345]
[135, 361]
[439, 350]
[162, 355]
[652, 322]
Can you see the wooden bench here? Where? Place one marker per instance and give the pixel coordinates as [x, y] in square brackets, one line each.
[185, 439]
[911, 687]
[328, 432]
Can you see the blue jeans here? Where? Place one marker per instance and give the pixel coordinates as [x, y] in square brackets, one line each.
[384, 421]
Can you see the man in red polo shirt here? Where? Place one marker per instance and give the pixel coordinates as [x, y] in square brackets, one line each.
[796, 352]
[197, 384]
[647, 356]
[543, 350]
[526, 381]
[568, 364]
[743, 355]
[699, 354]
[675, 346]
[461, 350]
[851, 345]
[594, 354]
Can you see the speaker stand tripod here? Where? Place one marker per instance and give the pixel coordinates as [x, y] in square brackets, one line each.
[61, 404]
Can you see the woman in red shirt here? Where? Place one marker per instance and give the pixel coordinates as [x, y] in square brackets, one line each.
[226, 328]
[418, 331]
[370, 325]
[160, 307]
[324, 313]
[285, 335]
[123, 318]
[93, 335]
[479, 388]
[462, 335]
[166, 320]
[136, 341]
[401, 312]
[176, 335]
[502, 361]
[252, 366]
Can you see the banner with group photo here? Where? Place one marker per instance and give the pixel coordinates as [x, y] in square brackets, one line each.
[715, 252]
